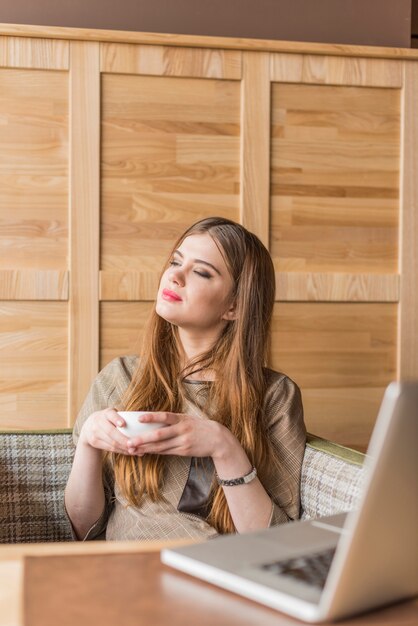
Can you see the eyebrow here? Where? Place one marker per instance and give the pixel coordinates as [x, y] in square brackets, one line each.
[199, 261]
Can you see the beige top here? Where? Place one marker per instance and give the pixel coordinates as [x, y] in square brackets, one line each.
[162, 520]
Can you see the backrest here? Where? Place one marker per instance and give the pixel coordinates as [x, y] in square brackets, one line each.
[332, 477]
[34, 468]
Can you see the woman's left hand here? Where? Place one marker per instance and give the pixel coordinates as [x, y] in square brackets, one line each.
[183, 435]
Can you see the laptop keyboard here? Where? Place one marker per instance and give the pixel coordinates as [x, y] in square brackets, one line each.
[312, 569]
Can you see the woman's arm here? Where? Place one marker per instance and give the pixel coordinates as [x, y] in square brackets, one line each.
[249, 504]
[84, 494]
[187, 435]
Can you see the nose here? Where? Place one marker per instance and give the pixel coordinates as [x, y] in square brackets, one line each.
[176, 275]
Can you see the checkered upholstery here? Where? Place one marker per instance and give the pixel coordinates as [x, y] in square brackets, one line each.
[34, 468]
[332, 478]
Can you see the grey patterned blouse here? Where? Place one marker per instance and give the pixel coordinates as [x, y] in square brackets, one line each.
[167, 519]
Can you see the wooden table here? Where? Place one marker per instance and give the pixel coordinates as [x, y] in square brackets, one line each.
[125, 584]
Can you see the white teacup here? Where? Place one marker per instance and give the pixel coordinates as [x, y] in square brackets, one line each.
[134, 427]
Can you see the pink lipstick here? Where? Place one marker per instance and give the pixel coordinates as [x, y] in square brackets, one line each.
[171, 296]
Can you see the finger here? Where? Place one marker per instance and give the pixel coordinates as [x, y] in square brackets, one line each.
[161, 434]
[162, 417]
[106, 443]
[161, 447]
[114, 418]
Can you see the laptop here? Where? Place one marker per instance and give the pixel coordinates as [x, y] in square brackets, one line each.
[337, 566]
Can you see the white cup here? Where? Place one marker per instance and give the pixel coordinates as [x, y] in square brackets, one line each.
[133, 426]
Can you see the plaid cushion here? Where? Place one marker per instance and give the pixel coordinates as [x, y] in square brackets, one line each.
[34, 468]
[330, 482]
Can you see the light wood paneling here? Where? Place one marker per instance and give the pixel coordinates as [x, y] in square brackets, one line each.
[408, 313]
[200, 41]
[170, 156]
[33, 285]
[335, 154]
[336, 345]
[192, 127]
[166, 61]
[345, 415]
[33, 169]
[118, 338]
[42, 54]
[255, 145]
[333, 70]
[85, 224]
[131, 285]
[332, 350]
[337, 287]
[33, 364]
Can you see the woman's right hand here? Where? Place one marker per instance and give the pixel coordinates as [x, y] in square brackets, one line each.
[99, 431]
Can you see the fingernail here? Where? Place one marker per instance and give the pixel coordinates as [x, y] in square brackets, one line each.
[119, 423]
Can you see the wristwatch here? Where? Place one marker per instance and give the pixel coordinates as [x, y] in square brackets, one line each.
[242, 480]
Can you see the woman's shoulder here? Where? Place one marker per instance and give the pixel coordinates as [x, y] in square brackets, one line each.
[276, 379]
[282, 393]
[121, 365]
[117, 374]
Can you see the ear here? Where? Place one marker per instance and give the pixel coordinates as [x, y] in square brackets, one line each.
[230, 314]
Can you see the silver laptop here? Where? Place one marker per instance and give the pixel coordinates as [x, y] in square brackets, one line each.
[333, 567]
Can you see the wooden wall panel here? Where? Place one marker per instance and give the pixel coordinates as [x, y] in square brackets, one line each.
[85, 223]
[335, 178]
[408, 305]
[170, 61]
[25, 52]
[33, 364]
[34, 250]
[337, 70]
[121, 338]
[33, 169]
[170, 156]
[334, 350]
[124, 145]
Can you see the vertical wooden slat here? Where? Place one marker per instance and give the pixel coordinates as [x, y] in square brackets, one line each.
[84, 209]
[255, 144]
[408, 304]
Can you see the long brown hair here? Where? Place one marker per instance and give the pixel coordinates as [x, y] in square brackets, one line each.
[237, 360]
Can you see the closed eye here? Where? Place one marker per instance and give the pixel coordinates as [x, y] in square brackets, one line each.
[203, 274]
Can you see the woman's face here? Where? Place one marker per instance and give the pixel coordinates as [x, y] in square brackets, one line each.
[195, 290]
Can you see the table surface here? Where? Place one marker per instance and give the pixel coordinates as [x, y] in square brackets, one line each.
[125, 583]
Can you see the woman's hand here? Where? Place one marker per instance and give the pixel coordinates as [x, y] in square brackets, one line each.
[99, 431]
[183, 435]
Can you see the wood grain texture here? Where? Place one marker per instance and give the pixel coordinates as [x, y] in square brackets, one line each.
[335, 179]
[333, 70]
[84, 209]
[130, 285]
[170, 156]
[255, 145]
[33, 169]
[166, 61]
[33, 364]
[119, 337]
[346, 415]
[33, 285]
[408, 308]
[331, 350]
[42, 54]
[200, 41]
[337, 287]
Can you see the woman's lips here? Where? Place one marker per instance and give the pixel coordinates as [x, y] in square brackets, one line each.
[172, 296]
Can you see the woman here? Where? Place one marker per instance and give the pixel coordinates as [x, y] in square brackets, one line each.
[229, 456]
